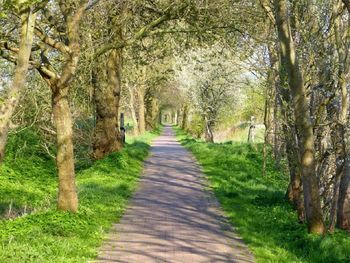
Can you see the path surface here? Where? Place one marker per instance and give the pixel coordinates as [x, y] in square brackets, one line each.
[172, 218]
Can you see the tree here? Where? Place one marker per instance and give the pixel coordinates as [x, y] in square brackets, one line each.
[209, 82]
[26, 33]
[302, 117]
[106, 79]
[343, 212]
[59, 83]
[106, 135]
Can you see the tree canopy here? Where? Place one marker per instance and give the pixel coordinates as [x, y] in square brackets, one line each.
[276, 72]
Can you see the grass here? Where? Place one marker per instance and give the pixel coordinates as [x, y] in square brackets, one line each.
[28, 176]
[257, 208]
[241, 135]
[28, 179]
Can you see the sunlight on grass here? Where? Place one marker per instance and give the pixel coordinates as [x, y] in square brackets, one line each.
[47, 235]
[257, 207]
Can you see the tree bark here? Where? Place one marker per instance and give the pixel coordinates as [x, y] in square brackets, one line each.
[343, 202]
[343, 211]
[141, 110]
[107, 137]
[209, 136]
[288, 128]
[132, 110]
[60, 84]
[251, 131]
[295, 187]
[272, 82]
[177, 117]
[266, 136]
[9, 105]
[302, 116]
[67, 194]
[160, 117]
[152, 110]
[277, 137]
[184, 117]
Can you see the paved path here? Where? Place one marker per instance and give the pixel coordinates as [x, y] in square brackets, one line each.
[172, 218]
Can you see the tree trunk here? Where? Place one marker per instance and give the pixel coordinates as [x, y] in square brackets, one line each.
[335, 198]
[251, 131]
[67, 194]
[343, 204]
[151, 114]
[160, 117]
[302, 116]
[132, 110]
[115, 80]
[209, 136]
[295, 188]
[107, 95]
[277, 138]
[272, 82]
[177, 117]
[9, 105]
[343, 211]
[141, 110]
[59, 84]
[265, 141]
[184, 117]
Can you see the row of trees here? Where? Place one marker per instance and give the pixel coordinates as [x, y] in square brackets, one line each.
[300, 58]
[50, 40]
[85, 61]
[205, 60]
[307, 106]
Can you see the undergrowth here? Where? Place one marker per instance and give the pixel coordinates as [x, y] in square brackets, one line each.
[257, 207]
[36, 231]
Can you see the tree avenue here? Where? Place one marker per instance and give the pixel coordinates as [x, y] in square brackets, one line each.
[272, 75]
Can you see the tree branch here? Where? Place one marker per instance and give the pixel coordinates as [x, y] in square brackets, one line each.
[268, 10]
[60, 46]
[8, 57]
[347, 4]
[142, 32]
[187, 31]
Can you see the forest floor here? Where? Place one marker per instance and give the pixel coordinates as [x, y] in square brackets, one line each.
[257, 207]
[172, 216]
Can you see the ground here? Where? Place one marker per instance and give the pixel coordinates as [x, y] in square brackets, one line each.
[173, 217]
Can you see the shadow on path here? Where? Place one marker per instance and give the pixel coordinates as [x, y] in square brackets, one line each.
[172, 218]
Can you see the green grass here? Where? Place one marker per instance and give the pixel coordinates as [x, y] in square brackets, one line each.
[241, 135]
[257, 208]
[28, 176]
[47, 235]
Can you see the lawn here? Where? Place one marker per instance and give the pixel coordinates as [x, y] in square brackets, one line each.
[32, 230]
[257, 207]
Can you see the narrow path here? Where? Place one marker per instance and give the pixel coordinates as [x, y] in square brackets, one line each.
[172, 218]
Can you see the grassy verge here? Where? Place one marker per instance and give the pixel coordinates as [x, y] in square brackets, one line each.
[257, 208]
[46, 235]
